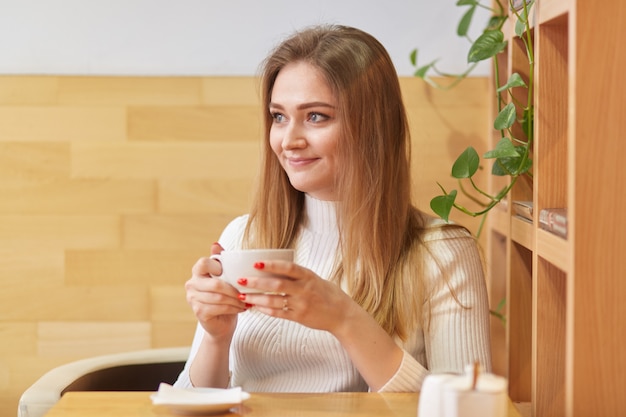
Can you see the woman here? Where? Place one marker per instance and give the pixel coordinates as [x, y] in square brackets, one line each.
[379, 294]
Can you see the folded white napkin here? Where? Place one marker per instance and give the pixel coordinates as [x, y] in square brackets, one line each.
[168, 394]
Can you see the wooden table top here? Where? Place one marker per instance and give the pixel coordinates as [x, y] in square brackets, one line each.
[138, 404]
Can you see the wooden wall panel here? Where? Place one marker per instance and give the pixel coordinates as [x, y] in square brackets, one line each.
[84, 339]
[69, 303]
[128, 266]
[129, 91]
[194, 123]
[230, 91]
[35, 161]
[68, 196]
[46, 123]
[168, 303]
[33, 90]
[203, 196]
[112, 187]
[216, 160]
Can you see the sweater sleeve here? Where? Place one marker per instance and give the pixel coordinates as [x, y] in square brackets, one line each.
[230, 239]
[455, 315]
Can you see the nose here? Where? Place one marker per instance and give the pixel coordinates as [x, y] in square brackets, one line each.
[293, 137]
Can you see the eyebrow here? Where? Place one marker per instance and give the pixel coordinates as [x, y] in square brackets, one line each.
[305, 106]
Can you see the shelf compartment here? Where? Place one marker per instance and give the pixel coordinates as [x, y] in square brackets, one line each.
[551, 106]
[553, 249]
[519, 322]
[551, 9]
[549, 339]
[496, 283]
[523, 233]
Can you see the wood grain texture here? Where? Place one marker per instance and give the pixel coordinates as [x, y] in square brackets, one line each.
[356, 404]
[112, 187]
[577, 307]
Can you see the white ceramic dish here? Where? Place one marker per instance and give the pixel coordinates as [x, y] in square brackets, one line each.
[200, 409]
[196, 401]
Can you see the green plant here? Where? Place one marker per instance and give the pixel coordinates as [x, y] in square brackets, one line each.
[512, 154]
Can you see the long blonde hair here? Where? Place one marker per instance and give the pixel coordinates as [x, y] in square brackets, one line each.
[379, 227]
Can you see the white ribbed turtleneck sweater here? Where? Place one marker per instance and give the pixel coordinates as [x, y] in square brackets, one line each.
[278, 355]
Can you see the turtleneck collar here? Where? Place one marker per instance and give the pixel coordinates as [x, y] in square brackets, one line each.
[321, 216]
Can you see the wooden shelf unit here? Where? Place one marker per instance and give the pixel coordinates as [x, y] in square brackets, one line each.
[566, 297]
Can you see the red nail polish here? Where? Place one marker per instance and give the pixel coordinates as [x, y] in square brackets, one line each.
[248, 305]
[259, 265]
[242, 281]
[241, 297]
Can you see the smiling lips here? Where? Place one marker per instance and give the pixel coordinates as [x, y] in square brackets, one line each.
[299, 162]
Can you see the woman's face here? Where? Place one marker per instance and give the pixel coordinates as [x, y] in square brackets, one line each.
[305, 129]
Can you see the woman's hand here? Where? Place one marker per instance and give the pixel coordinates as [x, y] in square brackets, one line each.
[298, 294]
[214, 302]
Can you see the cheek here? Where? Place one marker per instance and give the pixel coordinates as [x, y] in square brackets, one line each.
[275, 143]
[331, 144]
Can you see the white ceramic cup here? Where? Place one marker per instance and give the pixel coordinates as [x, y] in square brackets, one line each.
[431, 395]
[240, 264]
[489, 399]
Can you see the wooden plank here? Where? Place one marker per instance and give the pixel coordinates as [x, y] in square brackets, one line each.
[197, 123]
[34, 160]
[218, 160]
[597, 358]
[129, 267]
[51, 231]
[182, 231]
[169, 304]
[172, 334]
[130, 91]
[43, 265]
[78, 196]
[112, 303]
[52, 123]
[204, 195]
[90, 338]
[28, 90]
[553, 248]
[523, 232]
[231, 91]
[25, 332]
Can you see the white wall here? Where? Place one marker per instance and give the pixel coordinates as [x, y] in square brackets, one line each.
[209, 37]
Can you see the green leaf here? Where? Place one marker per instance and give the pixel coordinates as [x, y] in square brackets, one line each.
[505, 118]
[489, 44]
[467, 3]
[413, 57]
[421, 71]
[442, 205]
[498, 170]
[520, 27]
[466, 164]
[515, 80]
[465, 22]
[495, 22]
[512, 165]
[503, 149]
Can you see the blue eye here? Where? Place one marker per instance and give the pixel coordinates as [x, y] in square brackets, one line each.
[317, 117]
[278, 117]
